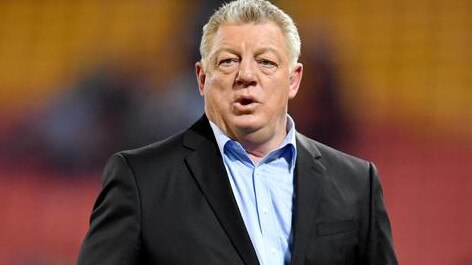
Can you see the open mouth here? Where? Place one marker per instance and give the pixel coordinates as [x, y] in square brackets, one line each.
[245, 101]
[244, 105]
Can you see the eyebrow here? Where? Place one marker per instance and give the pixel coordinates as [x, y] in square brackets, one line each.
[257, 53]
[214, 56]
[269, 50]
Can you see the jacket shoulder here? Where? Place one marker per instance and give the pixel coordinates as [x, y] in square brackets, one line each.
[175, 145]
[166, 146]
[333, 159]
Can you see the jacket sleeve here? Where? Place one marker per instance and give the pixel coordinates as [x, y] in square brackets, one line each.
[380, 249]
[114, 236]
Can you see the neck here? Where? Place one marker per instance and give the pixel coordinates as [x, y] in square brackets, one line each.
[257, 147]
[257, 142]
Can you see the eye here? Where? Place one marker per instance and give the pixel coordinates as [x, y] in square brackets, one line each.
[267, 63]
[227, 62]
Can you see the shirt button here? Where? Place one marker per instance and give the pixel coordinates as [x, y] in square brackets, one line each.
[265, 210]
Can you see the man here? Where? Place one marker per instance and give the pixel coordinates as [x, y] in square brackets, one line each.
[241, 186]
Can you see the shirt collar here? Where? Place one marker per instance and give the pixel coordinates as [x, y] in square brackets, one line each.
[289, 140]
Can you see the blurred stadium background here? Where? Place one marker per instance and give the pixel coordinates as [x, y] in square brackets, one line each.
[389, 81]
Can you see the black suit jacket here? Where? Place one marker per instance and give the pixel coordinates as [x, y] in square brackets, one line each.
[171, 203]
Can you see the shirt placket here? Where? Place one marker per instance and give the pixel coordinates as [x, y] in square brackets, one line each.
[265, 212]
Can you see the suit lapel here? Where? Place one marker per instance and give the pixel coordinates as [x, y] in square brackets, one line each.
[209, 172]
[309, 181]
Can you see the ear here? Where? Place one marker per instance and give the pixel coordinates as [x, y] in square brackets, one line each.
[201, 76]
[295, 79]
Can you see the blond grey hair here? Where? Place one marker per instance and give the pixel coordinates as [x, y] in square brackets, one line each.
[246, 12]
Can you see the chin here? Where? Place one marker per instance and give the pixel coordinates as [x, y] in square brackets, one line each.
[247, 123]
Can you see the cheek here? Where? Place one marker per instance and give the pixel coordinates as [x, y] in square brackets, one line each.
[220, 84]
[217, 91]
[279, 94]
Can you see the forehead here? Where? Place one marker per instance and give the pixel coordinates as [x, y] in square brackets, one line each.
[267, 35]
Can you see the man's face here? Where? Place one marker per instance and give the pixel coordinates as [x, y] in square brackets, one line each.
[247, 82]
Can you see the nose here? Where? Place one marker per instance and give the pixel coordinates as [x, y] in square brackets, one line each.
[246, 74]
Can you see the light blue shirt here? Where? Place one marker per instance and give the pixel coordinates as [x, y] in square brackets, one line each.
[264, 193]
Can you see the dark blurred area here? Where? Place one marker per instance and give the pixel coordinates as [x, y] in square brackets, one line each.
[79, 80]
